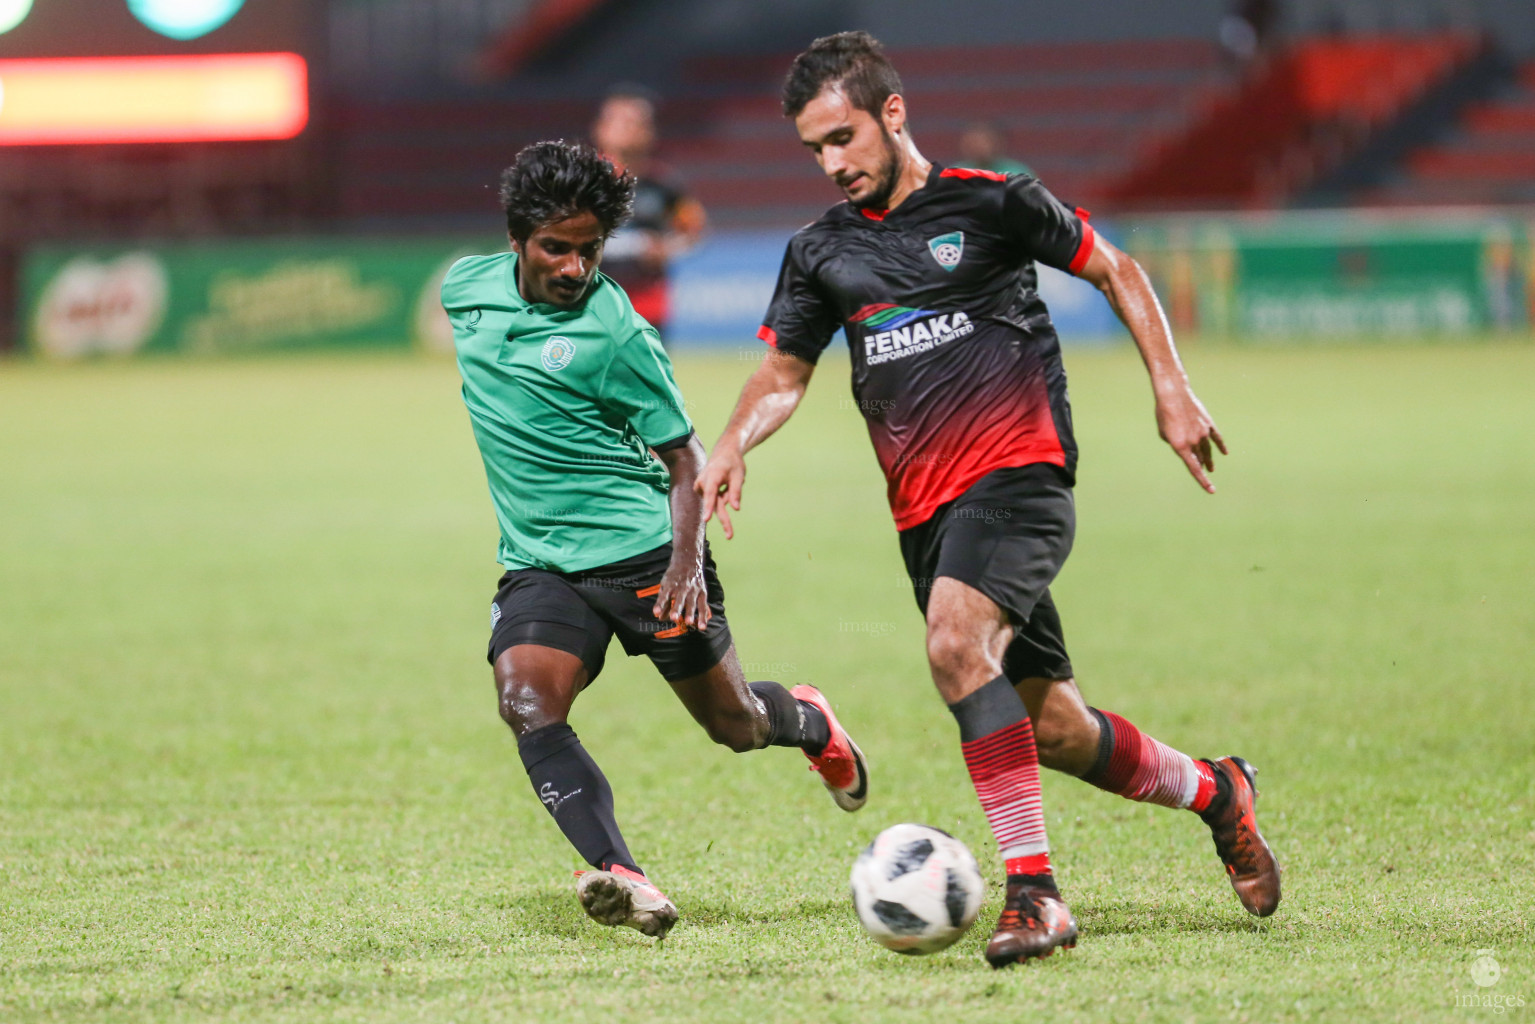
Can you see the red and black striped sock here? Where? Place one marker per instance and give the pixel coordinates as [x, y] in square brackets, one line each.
[998, 743]
[1138, 767]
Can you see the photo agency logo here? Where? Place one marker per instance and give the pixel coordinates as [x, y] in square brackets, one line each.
[1486, 973]
[868, 406]
[871, 628]
[984, 513]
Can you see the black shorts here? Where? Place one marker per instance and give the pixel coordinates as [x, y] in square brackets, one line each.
[579, 612]
[1007, 536]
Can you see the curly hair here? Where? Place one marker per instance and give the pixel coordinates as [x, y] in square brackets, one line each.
[852, 61]
[550, 181]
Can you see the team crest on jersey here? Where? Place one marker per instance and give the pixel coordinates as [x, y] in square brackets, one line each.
[947, 249]
[558, 352]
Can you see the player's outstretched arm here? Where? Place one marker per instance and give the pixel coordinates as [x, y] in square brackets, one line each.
[1181, 419]
[767, 401]
[684, 597]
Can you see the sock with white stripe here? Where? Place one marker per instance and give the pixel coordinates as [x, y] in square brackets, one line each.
[1138, 767]
[998, 743]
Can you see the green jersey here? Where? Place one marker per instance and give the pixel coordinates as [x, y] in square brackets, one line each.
[565, 405]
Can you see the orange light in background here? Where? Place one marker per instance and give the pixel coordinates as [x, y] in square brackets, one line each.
[153, 99]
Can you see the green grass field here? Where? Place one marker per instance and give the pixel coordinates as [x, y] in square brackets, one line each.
[252, 768]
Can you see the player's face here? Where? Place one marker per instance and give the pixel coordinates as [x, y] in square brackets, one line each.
[856, 150]
[625, 127]
[558, 260]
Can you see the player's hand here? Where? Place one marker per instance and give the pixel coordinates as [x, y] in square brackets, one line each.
[1188, 429]
[683, 597]
[720, 485]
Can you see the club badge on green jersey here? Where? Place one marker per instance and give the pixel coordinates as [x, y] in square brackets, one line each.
[558, 352]
[947, 249]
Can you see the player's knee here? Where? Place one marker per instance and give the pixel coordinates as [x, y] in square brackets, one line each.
[522, 705]
[954, 654]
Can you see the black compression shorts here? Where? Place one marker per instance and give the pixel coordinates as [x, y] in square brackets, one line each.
[1007, 536]
[580, 612]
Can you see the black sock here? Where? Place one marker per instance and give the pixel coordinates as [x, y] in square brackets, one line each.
[1039, 883]
[570, 784]
[1105, 747]
[792, 722]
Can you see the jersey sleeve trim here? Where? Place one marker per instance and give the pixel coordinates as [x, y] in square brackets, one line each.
[971, 172]
[767, 334]
[676, 442]
[1085, 250]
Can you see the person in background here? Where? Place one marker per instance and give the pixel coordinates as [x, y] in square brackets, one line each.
[1248, 29]
[980, 147]
[666, 222]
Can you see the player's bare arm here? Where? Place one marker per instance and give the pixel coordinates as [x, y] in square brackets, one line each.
[770, 396]
[683, 597]
[1181, 418]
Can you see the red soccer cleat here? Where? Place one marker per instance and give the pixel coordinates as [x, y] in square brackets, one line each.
[841, 764]
[1249, 862]
[1034, 923]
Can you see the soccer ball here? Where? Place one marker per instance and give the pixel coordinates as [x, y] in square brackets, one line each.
[916, 889]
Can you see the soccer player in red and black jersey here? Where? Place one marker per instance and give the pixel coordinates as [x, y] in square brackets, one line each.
[666, 222]
[957, 369]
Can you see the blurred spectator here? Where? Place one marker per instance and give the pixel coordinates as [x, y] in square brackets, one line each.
[666, 222]
[980, 146]
[10, 271]
[1248, 28]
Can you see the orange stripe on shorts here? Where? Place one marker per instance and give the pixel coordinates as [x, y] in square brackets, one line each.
[648, 591]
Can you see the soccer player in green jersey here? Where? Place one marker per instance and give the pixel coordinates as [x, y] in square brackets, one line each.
[591, 461]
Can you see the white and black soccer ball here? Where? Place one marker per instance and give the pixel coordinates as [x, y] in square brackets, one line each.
[916, 889]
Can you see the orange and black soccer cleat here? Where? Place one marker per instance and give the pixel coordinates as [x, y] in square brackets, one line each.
[1033, 924]
[1249, 862]
[840, 764]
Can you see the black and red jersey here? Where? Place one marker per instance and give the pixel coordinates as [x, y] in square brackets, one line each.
[624, 256]
[956, 366]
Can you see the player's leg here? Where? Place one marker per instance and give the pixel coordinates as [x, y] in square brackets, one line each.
[1109, 752]
[967, 634]
[748, 716]
[702, 667]
[546, 646]
[980, 564]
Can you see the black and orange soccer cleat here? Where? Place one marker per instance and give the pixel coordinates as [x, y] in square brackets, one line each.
[1034, 923]
[1250, 864]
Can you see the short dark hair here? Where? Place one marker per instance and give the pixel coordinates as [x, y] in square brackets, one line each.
[853, 61]
[550, 181]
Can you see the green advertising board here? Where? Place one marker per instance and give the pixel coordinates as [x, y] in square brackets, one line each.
[239, 297]
[1336, 274]
[1281, 276]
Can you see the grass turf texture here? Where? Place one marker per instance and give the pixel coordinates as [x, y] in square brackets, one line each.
[253, 769]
